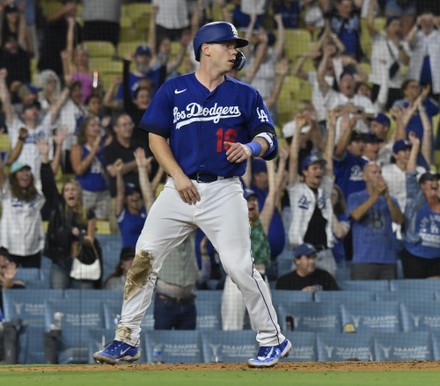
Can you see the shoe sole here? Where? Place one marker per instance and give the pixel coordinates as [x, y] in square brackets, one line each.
[284, 354]
[109, 361]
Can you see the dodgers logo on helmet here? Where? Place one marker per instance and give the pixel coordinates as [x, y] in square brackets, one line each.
[218, 31]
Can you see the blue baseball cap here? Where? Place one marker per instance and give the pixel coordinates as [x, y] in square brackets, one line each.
[259, 165]
[143, 50]
[248, 193]
[383, 119]
[310, 160]
[131, 188]
[17, 166]
[305, 249]
[401, 144]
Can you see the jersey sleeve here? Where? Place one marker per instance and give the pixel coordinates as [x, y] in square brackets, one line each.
[158, 118]
[260, 119]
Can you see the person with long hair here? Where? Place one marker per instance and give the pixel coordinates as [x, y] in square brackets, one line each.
[21, 225]
[87, 163]
[70, 224]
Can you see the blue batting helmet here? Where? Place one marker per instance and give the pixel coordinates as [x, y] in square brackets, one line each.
[218, 31]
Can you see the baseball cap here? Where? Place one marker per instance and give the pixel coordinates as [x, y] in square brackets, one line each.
[143, 50]
[401, 144]
[356, 136]
[248, 193]
[11, 7]
[382, 119]
[127, 253]
[259, 166]
[371, 138]
[17, 166]
[429, 176]
[131, 188]
[310, 160]
[305, 249]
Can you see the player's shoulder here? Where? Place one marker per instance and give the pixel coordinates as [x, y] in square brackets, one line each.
[233, 82]
[178, 83]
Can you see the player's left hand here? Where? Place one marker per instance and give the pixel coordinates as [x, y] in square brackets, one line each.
[237, 152]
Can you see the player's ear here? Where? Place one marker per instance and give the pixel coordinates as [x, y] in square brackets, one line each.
[204, 48]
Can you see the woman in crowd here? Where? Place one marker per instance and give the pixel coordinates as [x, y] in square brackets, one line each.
[87, 162]
[70, 226]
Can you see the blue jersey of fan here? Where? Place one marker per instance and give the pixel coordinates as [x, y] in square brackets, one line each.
[198, 121]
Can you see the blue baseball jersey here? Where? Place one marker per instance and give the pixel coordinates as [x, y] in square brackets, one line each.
[198, 121]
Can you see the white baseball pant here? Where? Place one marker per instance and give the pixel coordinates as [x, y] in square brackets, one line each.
[222, 215]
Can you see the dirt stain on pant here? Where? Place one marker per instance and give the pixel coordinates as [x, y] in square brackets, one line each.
[139, 273]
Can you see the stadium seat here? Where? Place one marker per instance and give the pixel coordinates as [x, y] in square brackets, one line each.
[28, 304]
[310, 317]
[106, 66]
[130, 46]
[365, 285]
[100, 49]
[136, 11]
[420, 315]
[78, 317]
[283, 296]
[344, 296]
[405, 295]
[345, 347]
[304, 347]
[173, 346]
[92, 294]
[298, 42]
[228, 346]
[111, 245]
[407, 346]
[419, 285]
[26, 274]
[373, 316]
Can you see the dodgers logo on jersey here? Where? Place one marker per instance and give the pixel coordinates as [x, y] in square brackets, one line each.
[262, 116]
[194, 112]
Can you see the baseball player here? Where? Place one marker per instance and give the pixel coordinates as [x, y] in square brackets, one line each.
[203, 127]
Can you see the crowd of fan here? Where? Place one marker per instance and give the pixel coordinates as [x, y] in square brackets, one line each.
[354, 180]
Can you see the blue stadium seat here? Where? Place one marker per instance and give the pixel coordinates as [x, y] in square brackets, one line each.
[303, 347]
[111, 246]
[78, 317]
[420, 315]
[214, 295]
[208, 314]
[344, 296]
[93, 294]
[345, 347]
[26, 274]
[173, 346]
[420, 285]
[407, 346]
[375, 316]
[310, 317]
[365, 285]
[405, 295]
[228, 346]
[282, 296]
[28, 304]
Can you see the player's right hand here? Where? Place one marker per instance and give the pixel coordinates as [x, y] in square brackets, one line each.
[187, 190]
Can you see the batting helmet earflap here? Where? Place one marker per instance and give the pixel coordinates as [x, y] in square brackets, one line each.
[218, 31]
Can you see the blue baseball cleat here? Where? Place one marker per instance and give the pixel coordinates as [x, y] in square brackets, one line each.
[268, 356]
[117, 351]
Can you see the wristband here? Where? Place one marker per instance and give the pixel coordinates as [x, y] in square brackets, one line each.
[255, 147]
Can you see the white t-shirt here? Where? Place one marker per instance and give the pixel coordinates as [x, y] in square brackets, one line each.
[21, 226]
